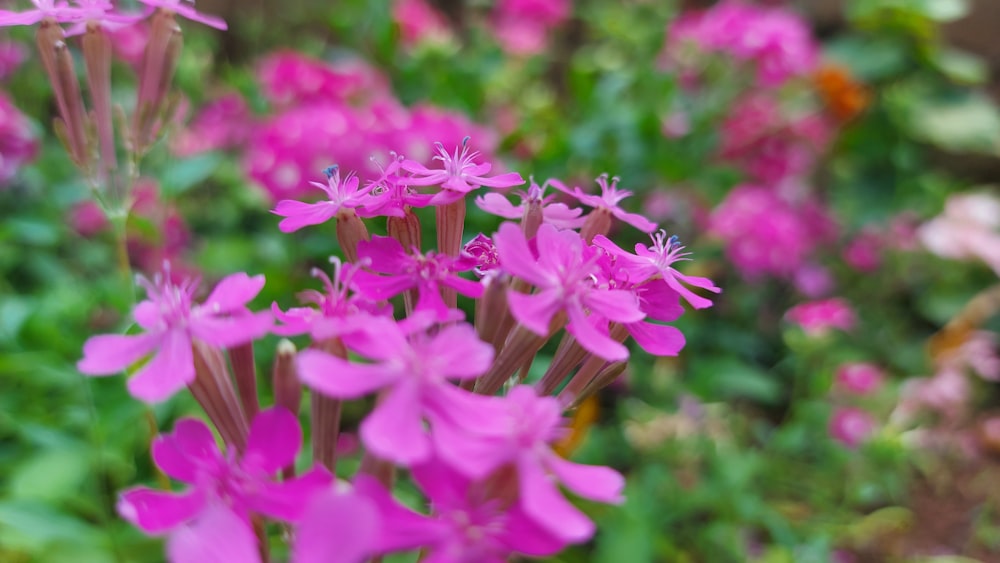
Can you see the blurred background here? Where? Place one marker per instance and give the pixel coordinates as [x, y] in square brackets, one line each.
[832, 165]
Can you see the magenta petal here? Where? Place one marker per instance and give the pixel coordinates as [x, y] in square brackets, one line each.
[524, 536]
[195, 16]
[618, 305]
[298, 214]
[696, 301]
[592, 339]
[634, 219]
[287, 500]
[535, 312]
[336, 377]
[219, 536]
[233, 292]
[394, 430]
[109, 354]
[497, 204]
[169, 371]
[155, 512]
[515, 255]
[387, 255]
[544, 504]
[507, 180]
[184, 451]
[226, 332]
[401, 529]
[658, 340]
[659, 301]
[275, 437]
[468, 288]
[429, 299]
[594, 482]
[336, 528]
[459, 351]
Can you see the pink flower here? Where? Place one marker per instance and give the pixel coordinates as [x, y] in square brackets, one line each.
[221, 124]
[767, 235]
[289, 78]
[608, 201]
[851, 426]
[419, 22]
[483, 253]
[199, 541]
[344, 194]
[237, 485]
[859, 378]
[658, 259]
[185, 9]
[459, 175]
[426, 273]
[170, 322]
[523, 27]
[522, 439]
[864, 252]
[817, 317]
[557, 214]
[337, 311]
[778, 43]
[129, 43]
[470, 522]
[413, 368]
[12, 54]
[18, 144]
[968, 228]
[769, 142]
[813, 281]
[563, 274]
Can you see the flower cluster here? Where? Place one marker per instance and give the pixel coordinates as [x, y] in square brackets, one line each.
[767, 235]
[776, 42]
[452, 406]
[344, 111]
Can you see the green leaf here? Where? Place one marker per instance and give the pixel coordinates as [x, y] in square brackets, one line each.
[50, 475]
[185, 174]
[730, 378]
[962, 67]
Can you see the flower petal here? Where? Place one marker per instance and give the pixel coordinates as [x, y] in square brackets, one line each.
[232, 293]
[184, 451]
[109, 354]
[336, 377]
[515, 255]
[593, 482]
[544, 504]
[336, 528]
[155, 512]
[591, 338]
[274, 440]
[535, 312]
[168, 372]
[656, 339]
[288, 500]
[219, 536]
[299, 214]
[394, 430]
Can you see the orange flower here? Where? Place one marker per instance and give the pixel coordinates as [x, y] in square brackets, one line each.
[844, 97]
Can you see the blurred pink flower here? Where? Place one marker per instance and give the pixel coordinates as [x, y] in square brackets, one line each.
[222, 123]
[851, 426]
[185, 9]
[170, 320]
[12, 54]
[968, 228]
[523, 27]
[237, 485]
[766, 234]
[18, 144]
[817, 317]
[859, 378]
[864, 251]
[129, 43]
[778, 43]
[289, 78]
[813, 281]
[418, 22]
[769, 143]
